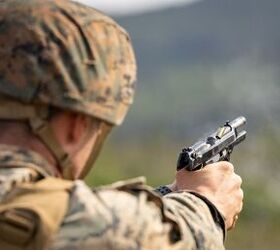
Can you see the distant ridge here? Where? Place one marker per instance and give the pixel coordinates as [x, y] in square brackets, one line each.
[211, 31]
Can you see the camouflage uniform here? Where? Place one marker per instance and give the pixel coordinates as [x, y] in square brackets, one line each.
[124, 215]
[61, 54]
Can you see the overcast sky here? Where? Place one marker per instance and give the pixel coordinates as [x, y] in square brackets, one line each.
[132, 6]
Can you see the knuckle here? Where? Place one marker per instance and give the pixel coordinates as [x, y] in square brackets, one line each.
[227, 167]
[239, 207]
[230, 166]
[238, 179]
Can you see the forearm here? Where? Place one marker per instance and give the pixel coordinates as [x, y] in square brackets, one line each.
[176, 221]
[218, 218]
[189, 219]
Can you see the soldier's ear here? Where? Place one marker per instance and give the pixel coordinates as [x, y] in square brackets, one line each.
[79, 127]
[70, 128]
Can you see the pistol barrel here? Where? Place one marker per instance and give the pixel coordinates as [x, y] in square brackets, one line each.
[238, 122]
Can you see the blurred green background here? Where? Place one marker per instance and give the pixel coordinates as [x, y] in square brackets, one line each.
[200, 65]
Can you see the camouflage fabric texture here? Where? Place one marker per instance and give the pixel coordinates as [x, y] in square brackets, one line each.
[67, 55]
[125, 215]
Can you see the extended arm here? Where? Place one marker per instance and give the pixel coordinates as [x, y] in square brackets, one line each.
[131, 216]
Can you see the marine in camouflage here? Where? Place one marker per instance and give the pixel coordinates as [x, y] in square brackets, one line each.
[61, 54]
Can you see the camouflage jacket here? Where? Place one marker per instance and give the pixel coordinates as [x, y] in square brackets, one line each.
[124, 215]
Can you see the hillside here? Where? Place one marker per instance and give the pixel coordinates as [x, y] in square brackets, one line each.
[206, 62]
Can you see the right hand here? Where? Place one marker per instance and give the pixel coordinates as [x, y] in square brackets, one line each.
[219, 184]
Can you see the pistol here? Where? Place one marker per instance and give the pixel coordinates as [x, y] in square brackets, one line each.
[217, 146]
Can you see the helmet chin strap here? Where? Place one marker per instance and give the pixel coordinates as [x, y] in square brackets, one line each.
[43, 130]
[104, 130]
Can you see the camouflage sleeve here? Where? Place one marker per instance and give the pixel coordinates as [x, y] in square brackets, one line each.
[131, 216]
[192, 214]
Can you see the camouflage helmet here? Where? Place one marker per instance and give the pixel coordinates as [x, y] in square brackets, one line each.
[59, 53]
[67, 55]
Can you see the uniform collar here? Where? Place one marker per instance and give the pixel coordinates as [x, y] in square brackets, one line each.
[19, 157]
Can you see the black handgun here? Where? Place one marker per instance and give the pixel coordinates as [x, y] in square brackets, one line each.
[218, 146]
